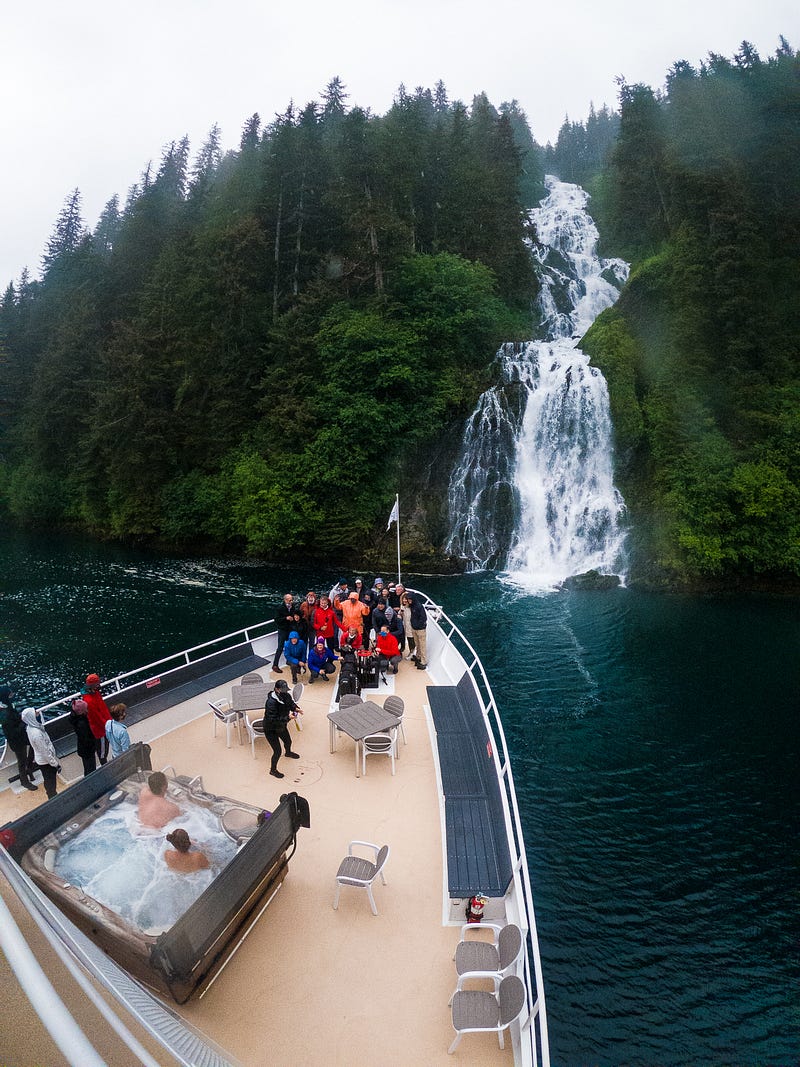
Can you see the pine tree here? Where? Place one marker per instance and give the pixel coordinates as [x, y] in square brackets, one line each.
[68, 233]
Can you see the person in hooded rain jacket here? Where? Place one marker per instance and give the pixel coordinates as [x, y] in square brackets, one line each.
[294, 652]
[78, 717]
[354, 611]
[17, 736]
[321, 661]
[43, 752]
[97, 713]
[287, 618]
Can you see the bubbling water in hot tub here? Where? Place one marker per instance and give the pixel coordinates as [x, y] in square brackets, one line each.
[121, 865]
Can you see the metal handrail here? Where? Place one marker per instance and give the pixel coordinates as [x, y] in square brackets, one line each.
[538, 1013]
[88, 964]
[184, 658]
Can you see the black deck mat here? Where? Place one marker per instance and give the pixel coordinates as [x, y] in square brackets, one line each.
[144, 709]
[478, 858]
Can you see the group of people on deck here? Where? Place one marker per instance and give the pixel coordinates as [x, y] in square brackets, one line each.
[384, 619]
[314, 633]
[99, 730]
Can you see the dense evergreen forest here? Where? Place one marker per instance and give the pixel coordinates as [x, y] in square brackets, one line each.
[701, 191]
[259, 348]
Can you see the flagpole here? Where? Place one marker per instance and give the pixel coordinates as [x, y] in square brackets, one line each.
[397, 506]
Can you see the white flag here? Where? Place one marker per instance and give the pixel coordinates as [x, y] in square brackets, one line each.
[395, 516]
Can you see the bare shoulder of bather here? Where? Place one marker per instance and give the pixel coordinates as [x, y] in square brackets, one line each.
[155, 809]
[186, 862]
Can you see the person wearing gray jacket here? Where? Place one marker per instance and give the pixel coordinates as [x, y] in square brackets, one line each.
[44, 754]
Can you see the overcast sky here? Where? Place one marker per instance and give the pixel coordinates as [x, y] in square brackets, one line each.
[93, 89]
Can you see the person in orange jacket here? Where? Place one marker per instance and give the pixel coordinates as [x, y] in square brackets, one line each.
[353, 612]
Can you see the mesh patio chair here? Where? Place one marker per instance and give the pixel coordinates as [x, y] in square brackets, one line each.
[396, 706]
[255, 729]
[477, 1011]
[349, 699]
[360, 873]
[297, 695]
[252, 679]
[226, 716]
[487, 959]
[381, 744]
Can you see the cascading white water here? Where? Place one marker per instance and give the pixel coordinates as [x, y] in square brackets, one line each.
[533, 490]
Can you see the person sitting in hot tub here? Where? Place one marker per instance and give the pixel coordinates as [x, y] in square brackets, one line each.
[179, 858]
[154, 808]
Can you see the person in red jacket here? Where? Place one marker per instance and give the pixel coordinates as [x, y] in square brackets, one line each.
[351, 640]
[97, 713]
[388, 649]
[325, 623]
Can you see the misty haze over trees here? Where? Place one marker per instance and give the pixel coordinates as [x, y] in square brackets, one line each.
[258, 349]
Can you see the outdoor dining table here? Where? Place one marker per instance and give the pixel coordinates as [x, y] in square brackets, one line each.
[358, 721]
[250, 697]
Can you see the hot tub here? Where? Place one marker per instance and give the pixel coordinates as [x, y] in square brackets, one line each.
[87, 852]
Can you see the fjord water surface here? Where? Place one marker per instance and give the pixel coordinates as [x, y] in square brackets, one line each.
[655, 746]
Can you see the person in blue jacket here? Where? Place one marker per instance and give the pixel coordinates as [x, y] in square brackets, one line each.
[321, 661]
[294, 652]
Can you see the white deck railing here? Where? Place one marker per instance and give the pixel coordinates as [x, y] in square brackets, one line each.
[466, 657]
[536, 1023]
[162, 667]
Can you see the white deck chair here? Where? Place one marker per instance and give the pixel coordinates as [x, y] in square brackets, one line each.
[396, 706]
[487, 959]
[477, 1011]
[360, 873]
[297, 695]
[225, 715]
[377, 745]
[255, 729]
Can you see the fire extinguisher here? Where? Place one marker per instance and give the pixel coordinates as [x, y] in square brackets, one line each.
[475, 908]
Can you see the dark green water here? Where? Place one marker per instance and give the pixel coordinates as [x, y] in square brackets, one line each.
[655, 746]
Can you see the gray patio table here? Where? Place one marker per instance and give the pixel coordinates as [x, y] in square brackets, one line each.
[357, 722]
[250, 697]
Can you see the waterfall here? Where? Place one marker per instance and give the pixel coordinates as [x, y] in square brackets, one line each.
[533, 491]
